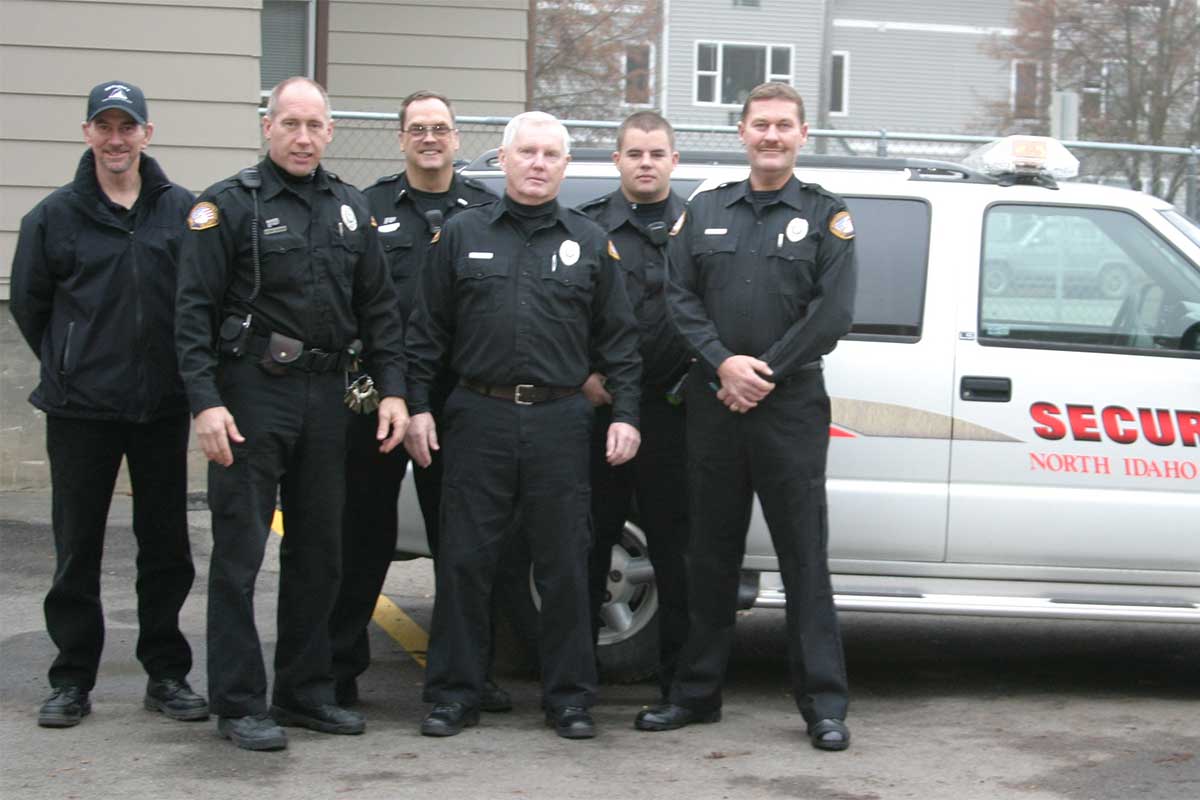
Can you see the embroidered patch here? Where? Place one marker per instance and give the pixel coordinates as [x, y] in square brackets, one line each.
[203, 215]
[841, 226]
[678, 226]
[612, 250]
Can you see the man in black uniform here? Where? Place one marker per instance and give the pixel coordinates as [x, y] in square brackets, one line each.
[93, 292]
[637, 217]
[281, 268]
[762, 285]
[409, 208]
[519, 298]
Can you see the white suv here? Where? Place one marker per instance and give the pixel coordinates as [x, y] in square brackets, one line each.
[1000, 447]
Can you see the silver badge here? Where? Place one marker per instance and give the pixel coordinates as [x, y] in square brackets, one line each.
[568, 252]
[797, 229]
[349, 218]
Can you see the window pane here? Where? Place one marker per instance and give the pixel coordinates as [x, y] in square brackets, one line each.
[837, 84]
[892, 244]
[284, 41]
[1025, 90]
[781, 61]
[1084, 277]
[706, 57]
[743, 68]
[706, 89]
[637, 74]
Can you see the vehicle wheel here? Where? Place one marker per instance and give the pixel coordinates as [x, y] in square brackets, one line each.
[1114, 281]
[995, 278]
[628, 650]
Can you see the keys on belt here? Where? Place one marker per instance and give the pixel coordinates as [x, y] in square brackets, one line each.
[523, 394]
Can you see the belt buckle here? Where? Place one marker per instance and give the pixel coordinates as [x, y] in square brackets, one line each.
[517, 394]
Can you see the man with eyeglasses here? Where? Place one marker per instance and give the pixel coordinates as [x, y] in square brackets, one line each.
[410, 207]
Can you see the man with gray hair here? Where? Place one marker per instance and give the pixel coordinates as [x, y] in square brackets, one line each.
[520, 299]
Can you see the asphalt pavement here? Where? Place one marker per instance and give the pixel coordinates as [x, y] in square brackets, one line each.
[953, 708]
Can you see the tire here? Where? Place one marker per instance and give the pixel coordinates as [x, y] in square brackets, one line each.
[1114, 281]
[628, 647]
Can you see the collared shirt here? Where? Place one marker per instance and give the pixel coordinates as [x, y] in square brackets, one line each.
[404, 231]
[778, 285]
[323, 277]
[500, 308]
[643, 267]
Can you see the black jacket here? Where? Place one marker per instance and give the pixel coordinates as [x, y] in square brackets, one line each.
[94, 295]
[323, 277]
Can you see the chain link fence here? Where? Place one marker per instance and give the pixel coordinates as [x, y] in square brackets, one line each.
[366, 147]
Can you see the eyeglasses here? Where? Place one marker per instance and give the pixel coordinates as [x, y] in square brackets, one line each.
[438, 131]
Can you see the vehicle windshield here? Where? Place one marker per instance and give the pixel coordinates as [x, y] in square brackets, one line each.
[1187, 226]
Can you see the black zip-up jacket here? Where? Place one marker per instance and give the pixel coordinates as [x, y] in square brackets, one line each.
[777, 284]
[324, 280]
[665, 355]
[94, 296]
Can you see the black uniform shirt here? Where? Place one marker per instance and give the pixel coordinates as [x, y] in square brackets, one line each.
[502, 309]
[643, 268]
[777, 285]
[404, 231]
[324, 280]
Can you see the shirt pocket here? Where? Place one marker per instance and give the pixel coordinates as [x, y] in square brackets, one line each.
[481, 285]
[792, 269]
[284, 261]
[399, 250]
[567, 290]
[715, 255]
[348, 248]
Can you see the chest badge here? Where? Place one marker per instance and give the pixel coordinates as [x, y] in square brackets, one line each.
[568, 252]
[348, 218]
[796, 230]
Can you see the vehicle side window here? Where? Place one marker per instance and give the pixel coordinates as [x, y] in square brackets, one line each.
[892, 244]
[1084, 278]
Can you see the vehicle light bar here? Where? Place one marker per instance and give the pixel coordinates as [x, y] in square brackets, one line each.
[1024, 156]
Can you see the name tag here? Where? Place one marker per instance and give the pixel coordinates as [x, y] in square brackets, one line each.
[388, 227]
[276, 229]
[481, 255]
[716, 231]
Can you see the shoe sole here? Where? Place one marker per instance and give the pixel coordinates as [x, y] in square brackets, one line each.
[259, 744]
[187, 715]
[567, 733]
[290, 719]
[62, 720]
[441, 729]
[704, 719]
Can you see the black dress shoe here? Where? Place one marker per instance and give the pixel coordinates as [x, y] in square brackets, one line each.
[829, 734]
[448, 719]
[324, 719]
[345, 691]
[669, 716]
[65, 707]
[252, 733]
[176, 699]
[571, 722]
[493, 698]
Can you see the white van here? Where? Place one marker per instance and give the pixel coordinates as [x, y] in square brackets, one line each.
[1000, 447]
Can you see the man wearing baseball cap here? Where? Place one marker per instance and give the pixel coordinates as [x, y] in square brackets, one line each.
[93, 291]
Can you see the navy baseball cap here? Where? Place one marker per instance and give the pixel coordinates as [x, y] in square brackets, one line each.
[118, 94]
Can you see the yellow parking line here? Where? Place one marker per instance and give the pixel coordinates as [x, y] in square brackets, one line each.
[389, 616]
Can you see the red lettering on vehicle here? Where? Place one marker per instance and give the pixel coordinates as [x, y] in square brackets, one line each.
[1051, 427]
[1189, 427]
[1112, 417]
[1158, 426]
[1083, 423]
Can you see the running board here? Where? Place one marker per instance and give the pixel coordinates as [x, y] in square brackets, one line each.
[989, 606]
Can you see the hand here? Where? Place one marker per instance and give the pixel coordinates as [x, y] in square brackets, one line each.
[421, 438]
[623, 442]
[215, 428]
[393, 419]
[593, 389]
[743, 383]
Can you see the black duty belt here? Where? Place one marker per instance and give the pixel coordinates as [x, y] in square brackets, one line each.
[306, 360]
[523, 394]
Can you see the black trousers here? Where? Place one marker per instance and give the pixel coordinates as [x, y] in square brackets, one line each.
[369, 529]
[295, 430]
[506, 463]
[657, 479]
[85, 456]
[778, 450]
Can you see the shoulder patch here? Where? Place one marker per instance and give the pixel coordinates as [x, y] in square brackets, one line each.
[841, 226]
[203, 215]
[436, 235]
[612, 251]
[678, 226]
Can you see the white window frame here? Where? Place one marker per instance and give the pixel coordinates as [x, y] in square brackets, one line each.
[845, 98]
[651, 71]
[1037, 78]
[720, 45]
[310, 50]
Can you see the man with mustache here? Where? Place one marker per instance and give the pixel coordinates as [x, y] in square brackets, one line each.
[93, 292]
[762, 286]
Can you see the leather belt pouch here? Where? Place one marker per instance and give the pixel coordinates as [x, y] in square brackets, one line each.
[281, 351]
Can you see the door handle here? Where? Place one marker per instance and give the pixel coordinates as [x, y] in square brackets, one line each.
[985, 389]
